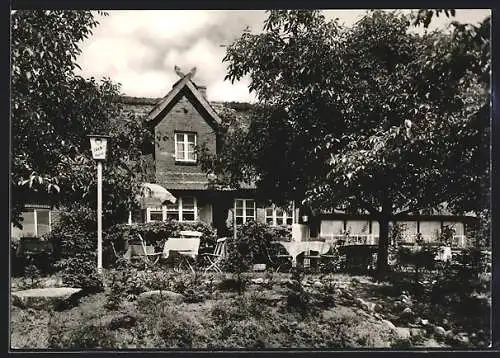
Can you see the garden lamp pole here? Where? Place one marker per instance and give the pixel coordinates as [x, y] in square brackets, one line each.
[98, 144]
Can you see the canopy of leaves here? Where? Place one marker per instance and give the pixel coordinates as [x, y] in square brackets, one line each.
[331, 127]
[52, 112]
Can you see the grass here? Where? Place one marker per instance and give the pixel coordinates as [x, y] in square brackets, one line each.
[212, 315]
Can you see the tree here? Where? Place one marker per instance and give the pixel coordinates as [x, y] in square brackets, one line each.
[390, 121]
[52, 112]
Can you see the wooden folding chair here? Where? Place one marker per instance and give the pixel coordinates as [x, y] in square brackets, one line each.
[142, 251]
[215, 259]
[283, 257]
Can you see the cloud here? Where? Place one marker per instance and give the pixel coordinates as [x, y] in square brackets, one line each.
[140, 48]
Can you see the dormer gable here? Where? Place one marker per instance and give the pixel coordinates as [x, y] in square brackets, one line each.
[195, 94]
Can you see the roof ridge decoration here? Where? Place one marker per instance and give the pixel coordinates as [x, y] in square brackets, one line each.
[184, 82]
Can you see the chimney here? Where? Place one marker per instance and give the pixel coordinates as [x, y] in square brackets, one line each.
[203, 90]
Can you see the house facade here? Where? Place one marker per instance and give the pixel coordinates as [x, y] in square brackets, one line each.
[184, 119]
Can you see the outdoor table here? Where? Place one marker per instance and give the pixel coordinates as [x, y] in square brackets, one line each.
[187, 247]
[295, 248]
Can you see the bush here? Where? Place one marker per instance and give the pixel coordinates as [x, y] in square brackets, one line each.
[253, 246]
[80, 271]
[90, 336]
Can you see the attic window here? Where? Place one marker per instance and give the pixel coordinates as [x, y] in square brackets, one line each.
[184, 147]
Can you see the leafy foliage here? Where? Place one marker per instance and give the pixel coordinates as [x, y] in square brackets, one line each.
[348, 122]
[58, 108]
[253, 246]
[81, 271]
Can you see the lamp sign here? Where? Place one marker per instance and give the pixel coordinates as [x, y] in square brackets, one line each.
[98, 146]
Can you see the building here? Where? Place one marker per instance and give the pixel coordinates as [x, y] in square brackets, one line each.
[183, 119]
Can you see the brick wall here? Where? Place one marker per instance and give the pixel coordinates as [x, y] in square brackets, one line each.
[183, 117]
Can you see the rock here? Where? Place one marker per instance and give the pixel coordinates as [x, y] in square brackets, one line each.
[122, 321]
[317, 284]
[389, 324]
[271, 297]
[378, 307]
[439, 331]
[424, 322]
[415, 332]
[259, 280]
[164, 294]
[360, 302]
[461, 339]
[347, 295]
[449, 334]
[46, 298]
[404, 297]
[259, 267]
[403, 332]
[371, 306]
[407, 312]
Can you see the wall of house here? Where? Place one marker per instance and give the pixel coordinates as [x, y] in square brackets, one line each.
[185, 117]
[430, 228]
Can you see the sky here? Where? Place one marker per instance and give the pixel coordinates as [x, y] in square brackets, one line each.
[139, 48]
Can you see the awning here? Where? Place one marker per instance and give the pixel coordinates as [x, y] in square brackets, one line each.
[154, 195]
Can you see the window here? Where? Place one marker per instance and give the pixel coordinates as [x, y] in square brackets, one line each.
[154, 214]
[184, 147]
[277, 216]
[245, 210]
[185, 209]
[35, 224]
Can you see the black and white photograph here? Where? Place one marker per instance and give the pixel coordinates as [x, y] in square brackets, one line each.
[257, 180]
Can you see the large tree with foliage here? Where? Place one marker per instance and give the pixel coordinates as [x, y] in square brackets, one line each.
[52, 112]
[374, 118]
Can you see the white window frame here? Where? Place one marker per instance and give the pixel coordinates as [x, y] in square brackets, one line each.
[163, 210]
[244, 216]
[180, 210]
[286, 215]
[185, 145]
[35, 220]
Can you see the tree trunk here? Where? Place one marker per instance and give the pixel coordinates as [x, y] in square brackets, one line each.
[383, 247]
[383, 244]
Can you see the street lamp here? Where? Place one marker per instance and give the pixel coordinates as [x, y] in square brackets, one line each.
[98, 145]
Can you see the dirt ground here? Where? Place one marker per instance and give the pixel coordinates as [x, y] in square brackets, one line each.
[333, 311]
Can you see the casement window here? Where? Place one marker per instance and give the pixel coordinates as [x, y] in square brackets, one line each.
[155, 214]
[245, 210]
[277, 216]
[185, 209]
[185, 143]
[36, 223]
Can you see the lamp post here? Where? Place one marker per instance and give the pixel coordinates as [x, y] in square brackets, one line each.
[98, 145]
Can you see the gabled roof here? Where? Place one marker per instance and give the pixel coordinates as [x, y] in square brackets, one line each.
[184, 83]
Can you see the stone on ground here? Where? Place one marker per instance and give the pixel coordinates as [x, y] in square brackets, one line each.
[165, 294]
[43, 298]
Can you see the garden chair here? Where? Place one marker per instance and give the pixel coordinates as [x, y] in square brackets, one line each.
[215, 259]
[139, 249]
[185, 248]
[284, 258]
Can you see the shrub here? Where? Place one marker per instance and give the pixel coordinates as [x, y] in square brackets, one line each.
[90, 336]
[80, 271]
[253, 246]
